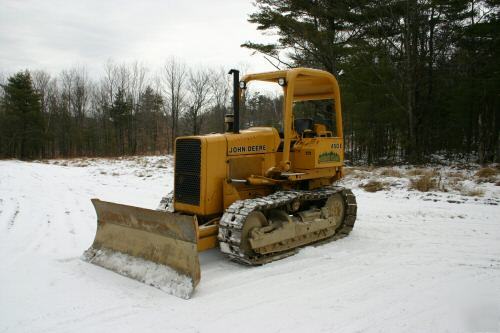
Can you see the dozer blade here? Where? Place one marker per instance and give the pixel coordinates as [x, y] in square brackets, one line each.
[154, 247]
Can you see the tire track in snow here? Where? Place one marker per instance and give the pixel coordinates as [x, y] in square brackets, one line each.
[12, 219]
[72, 214]
[42, 234]
[61, 230]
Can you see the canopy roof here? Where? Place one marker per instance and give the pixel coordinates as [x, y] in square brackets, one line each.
[308, 84]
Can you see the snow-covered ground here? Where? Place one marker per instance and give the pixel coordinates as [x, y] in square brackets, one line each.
[415, 262]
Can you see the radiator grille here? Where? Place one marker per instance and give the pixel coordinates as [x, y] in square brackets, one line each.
[187, 171]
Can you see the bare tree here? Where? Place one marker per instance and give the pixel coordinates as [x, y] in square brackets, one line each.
[41, 81]
[221, 89]
[138, 80]
[81, 93]
[200, 96]
[109, 82]
[174, 79]
[46, 87]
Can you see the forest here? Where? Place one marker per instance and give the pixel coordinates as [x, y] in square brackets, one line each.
[418, 78]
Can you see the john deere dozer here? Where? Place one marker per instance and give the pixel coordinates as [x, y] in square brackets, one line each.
[257, 194]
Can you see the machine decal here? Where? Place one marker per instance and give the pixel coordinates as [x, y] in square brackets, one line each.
[247, 149]
[328, 157]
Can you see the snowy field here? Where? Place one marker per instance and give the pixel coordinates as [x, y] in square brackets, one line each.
[415, 261]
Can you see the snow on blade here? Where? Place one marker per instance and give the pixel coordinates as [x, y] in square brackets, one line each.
[153, 274]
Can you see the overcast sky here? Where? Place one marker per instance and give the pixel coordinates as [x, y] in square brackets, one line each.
[58, 34]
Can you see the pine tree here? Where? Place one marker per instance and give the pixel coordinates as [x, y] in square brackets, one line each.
[149, 120]
[417, 76]
[22, 133]
[121, 116]
[311, 33]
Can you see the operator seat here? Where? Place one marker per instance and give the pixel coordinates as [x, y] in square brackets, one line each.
[302, 125]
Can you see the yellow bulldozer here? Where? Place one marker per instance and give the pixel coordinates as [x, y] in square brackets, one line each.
[258, 194]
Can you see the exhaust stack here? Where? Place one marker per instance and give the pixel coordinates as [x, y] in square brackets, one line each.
[235, 117]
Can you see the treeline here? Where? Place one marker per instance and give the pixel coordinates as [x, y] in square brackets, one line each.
[417, 78]
[128, 110]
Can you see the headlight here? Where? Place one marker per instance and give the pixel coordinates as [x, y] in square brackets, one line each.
[243, 85]
[282, 81]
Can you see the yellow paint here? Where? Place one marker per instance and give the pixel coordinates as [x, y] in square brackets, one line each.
[240, 166]
[207, 237]
[303, 84]
[256, 140]
[319, 152]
